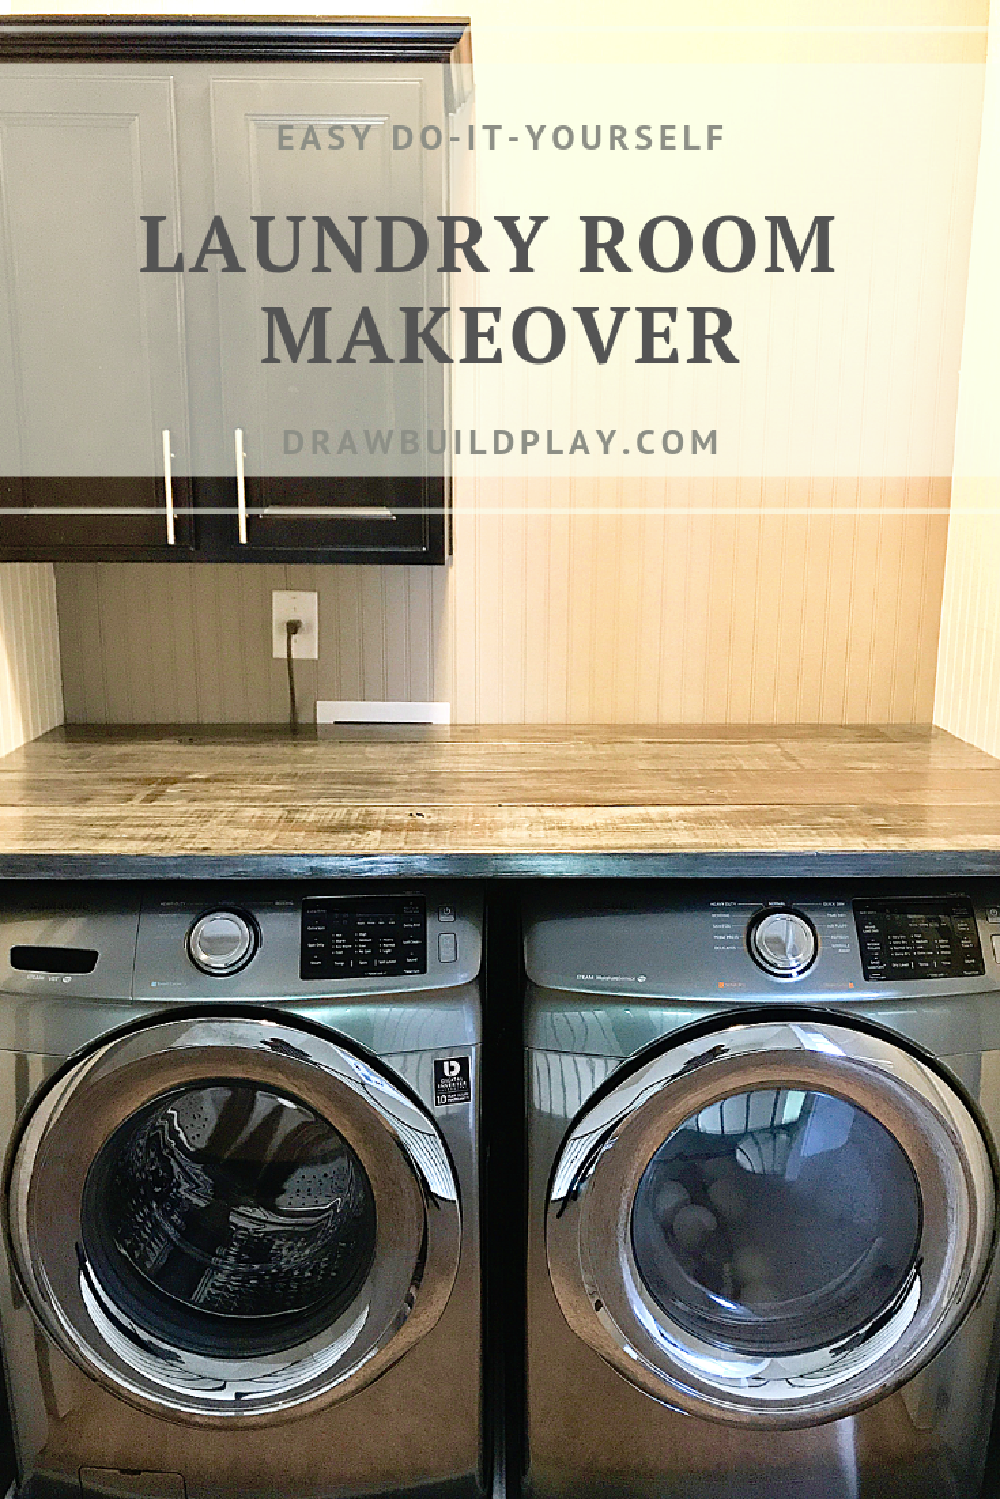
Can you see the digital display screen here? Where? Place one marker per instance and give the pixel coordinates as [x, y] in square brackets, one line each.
[918, 939]
[368, 936]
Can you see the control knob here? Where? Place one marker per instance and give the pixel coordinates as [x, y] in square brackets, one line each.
[222, 942]
[783, 943]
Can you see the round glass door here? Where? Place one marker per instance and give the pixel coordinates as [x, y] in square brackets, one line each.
[232, 1215]
[776, 1220]
[229, 1218]
[772, 1222]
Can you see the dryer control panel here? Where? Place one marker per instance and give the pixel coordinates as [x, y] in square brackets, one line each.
[781, 942]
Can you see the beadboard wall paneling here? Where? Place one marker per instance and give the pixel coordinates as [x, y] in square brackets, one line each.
[790, 602]
[967, 701]
[192, 643]
[795, 601]
[30, 682]
[798, 601]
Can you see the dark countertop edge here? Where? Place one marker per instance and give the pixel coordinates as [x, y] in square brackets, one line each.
[902, 864]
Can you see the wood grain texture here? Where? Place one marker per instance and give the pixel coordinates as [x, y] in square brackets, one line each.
[486, 793]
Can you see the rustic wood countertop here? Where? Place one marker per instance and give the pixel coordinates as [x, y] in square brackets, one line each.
[477, 801]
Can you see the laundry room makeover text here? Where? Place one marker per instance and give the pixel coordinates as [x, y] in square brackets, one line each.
[398, 244]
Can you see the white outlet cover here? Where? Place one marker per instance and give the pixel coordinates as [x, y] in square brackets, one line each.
[286, 605]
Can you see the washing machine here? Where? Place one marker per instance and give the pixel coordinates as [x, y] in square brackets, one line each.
[762, 1192]
[241, 1194]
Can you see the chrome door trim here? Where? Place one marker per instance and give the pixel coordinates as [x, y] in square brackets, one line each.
[394, 1136]
[603, 1156]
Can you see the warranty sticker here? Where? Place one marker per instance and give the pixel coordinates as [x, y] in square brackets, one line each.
[452, 1081]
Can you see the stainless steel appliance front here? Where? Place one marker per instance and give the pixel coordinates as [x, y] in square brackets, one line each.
[765, 1198]
[247, 1205]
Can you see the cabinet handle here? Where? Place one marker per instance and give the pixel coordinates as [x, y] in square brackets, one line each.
[326, 512]
[241, 488]
[168, 487]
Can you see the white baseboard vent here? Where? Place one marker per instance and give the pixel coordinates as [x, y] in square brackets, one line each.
[371, 712]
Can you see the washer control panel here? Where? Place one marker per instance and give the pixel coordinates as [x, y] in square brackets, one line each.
[783, 943]
[344, 937]
[903, 940]
[240, 940]
[245, 940]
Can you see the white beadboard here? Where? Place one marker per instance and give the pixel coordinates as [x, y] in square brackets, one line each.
[602, 602]
[742, 604]
[30, 679]
[967, 701]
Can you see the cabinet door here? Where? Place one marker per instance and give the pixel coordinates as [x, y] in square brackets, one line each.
[322, 443]
[92, 370]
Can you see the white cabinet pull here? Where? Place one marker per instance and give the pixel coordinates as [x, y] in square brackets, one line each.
[168, 486]
[241, 488]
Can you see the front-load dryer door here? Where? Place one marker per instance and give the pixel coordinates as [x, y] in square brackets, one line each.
[232, 1215]
[772, 1221]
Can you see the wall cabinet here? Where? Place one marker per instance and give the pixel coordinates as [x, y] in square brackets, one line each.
[140, 415]
[79, 157]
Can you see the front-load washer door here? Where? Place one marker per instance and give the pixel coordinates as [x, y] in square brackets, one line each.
[232, 1215]
[772, 1221]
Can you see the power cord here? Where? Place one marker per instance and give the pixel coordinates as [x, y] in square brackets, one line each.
[292, 628]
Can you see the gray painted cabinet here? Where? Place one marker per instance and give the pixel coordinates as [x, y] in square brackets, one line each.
[130, 399]
[92, 358]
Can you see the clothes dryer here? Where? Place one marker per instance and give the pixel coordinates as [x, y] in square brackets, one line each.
[762, 1192]
[241, 1201]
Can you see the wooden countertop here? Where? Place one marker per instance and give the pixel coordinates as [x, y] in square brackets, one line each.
[498, 801]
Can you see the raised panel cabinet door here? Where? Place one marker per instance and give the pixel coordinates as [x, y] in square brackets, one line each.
[92, 361]
[336, 437]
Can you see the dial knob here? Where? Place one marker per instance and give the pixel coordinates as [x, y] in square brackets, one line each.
[222, 942]
[783, 943]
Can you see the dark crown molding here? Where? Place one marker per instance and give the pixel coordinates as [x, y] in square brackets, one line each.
[248, 39]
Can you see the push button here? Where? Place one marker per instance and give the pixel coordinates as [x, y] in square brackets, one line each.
[447, 947]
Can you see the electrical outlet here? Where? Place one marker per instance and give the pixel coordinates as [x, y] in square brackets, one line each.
[301, 606]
